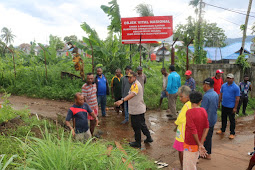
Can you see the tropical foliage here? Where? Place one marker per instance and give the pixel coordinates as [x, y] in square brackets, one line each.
[144, 10]
[213, 35]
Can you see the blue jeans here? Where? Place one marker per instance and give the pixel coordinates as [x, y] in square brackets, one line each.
[126, 110]
[102, 101]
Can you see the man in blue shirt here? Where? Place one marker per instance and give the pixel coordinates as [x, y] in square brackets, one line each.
[102, 89]
[230, 95]
[173, 84]
[210, 104]
[79, 114]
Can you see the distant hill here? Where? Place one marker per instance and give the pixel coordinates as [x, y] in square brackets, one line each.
[233, 40]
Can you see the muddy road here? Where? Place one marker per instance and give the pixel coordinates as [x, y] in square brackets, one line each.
[226, 154]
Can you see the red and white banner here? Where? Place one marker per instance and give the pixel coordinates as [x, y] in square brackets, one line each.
[152, 29]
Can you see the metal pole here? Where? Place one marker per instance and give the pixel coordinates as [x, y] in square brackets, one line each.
[163, 56]
[130, 57]
[187, 58]
[140, 49]
[44, 60]
[187, 55]
[92, 57]
[172, 52]
[45, 65]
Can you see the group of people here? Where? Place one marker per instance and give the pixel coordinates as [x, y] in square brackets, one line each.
[127, 91]
[194, 124]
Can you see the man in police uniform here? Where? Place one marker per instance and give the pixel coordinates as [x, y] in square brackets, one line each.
[136, 108]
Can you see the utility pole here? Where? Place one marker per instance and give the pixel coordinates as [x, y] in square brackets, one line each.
[245, 26]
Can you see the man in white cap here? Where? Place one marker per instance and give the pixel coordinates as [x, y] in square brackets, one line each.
[218, 81]
[229, 95]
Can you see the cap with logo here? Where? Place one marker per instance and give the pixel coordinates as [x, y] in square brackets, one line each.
[219, 71]
[209, 81]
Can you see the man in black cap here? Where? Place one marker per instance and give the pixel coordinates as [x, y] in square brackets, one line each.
[141, 77]
[125, 86]
[210, 104]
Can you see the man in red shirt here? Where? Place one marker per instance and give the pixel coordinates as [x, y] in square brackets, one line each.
[218, 81]
[197, 127]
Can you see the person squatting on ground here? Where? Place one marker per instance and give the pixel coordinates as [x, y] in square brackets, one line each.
[163, 93]
[79, 114]
[218, 81]
[89, 91]
[197, 127]
[125, 87]
[183, 92]
[210, 104]
[173, 83]
[190, 81]
[116, 87]
[229, 94]
[102, 89]
[136, 108]
[245, 87]
[141, 77]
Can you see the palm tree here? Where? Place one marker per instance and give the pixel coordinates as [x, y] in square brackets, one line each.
[7, 35]
[144, 10]
[195, 3]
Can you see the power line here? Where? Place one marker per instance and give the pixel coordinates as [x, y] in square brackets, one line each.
[228, 9]
[243, 11]
[232, 22]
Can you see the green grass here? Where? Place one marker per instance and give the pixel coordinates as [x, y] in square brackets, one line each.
[29, 143]
[64, 153]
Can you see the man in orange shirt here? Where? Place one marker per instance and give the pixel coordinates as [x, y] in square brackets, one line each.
[218, 81]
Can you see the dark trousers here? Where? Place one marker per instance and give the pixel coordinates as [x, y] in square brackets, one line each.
[101, 100]
[208, 140]
[138, 124]
[243, 100]
[225, 114]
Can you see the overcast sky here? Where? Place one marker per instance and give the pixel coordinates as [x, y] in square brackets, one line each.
[36, 19]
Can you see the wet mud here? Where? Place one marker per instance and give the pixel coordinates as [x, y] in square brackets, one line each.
[226, 154]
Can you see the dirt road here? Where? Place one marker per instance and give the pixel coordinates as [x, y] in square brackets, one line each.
[227, 154]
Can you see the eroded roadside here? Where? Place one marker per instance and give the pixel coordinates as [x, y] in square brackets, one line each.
[227, 154]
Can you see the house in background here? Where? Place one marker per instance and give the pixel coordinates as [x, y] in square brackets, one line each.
[166, 49]
[227, 54]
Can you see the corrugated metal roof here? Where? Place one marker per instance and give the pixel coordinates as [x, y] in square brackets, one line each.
[227, 52]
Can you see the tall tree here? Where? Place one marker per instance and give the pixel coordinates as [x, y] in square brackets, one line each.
[144, 10]
[213, 35]
[199, 54]
[56, 42]
[71, 38]
[7, 35]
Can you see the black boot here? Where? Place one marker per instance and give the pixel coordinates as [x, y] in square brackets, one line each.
[135, 144]
[148, 140]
